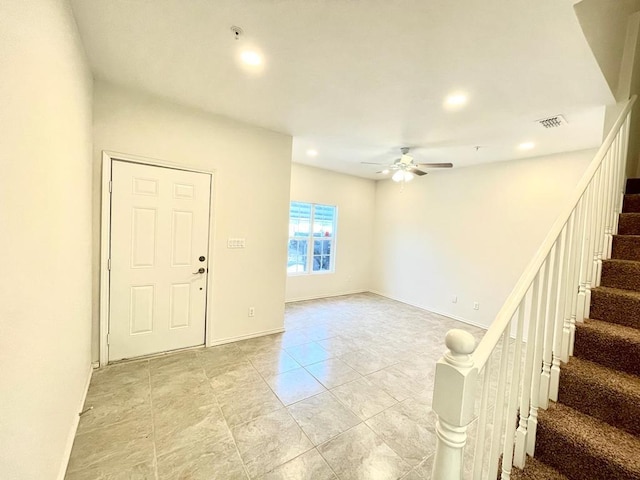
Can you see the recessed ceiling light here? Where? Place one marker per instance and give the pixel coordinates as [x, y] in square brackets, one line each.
[526, 146]
[312, 153]
[455, 100]
[251, 58]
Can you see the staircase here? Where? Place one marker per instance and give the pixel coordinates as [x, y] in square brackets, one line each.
[593, 431]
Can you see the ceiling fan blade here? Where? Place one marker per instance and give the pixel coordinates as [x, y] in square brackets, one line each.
[415, 171]
[373, 163]
[383, 171]
[436, 165]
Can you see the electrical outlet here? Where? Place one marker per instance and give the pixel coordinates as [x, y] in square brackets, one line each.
[454, 299]
[476, 306]
[252, 311]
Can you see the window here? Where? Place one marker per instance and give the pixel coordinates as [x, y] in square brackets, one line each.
[312, 230]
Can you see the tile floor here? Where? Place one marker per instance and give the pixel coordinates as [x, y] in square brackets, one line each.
[344, 393]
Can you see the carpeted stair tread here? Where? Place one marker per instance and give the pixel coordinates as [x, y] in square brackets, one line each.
[631, 203]
[615, 305]
[609, 344]
[622, 274]
[632, 186]
[609, 395]
[535, 470]
[626, 247]
[629, 224]
[581, 447]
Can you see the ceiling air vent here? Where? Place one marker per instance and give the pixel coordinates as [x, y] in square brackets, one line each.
[552, 122]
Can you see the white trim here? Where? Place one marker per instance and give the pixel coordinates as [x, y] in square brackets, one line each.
[105, 237]
[448, 315]
[263, 333]
[330, 295]
[74, 428]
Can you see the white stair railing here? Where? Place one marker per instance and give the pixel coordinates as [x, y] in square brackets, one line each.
[496, 389]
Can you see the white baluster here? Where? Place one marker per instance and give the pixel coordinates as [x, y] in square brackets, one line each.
[482, 421]
[568, 333]
[532, 424]
[498, 409]
[520, 453]
[559, 320]
[545, 377]
[453, 402]
[512, 409]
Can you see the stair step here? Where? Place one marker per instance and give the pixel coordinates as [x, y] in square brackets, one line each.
[581, 447]
[609, 344]
[536, 470]
[626, 247]
[631, 203]
[615, 305]
[633, 186]
[629, 224]
[623, 274]
[603, 393]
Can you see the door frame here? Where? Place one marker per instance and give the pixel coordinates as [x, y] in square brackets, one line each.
[108, 157]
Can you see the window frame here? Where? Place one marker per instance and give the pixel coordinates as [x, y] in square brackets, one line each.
[310, 239]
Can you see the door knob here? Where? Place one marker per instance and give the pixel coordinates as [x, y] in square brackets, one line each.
[200, 270]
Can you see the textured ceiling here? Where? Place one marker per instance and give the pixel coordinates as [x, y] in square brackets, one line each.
[358, 79]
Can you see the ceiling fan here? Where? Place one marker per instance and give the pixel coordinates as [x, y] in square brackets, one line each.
[405, 168]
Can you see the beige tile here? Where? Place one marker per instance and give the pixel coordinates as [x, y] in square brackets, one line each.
[112, 377]
[213, 358]
[247, 401]
[309, 465]
[170, 364]
[108, 471]
[363, 398]
[272, 363]
[322, 417]
[338, 345]
[366, 362]
[269, 441]
[359, 454]
[175, 428]
[124, 444]
[234, 375]
[406, 436]
[293, 386]
[202, 462]
[394, 383]
[333, 372]
[195, 392]
[308, 353]
[123, 404]
[413, 475]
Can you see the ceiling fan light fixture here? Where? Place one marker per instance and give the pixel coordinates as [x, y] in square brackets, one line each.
[398, 176]
[402, 176]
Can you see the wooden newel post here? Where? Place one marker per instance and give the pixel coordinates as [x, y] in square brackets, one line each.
[453, 402]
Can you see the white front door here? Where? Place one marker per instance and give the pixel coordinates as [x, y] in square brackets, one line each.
[159, 258]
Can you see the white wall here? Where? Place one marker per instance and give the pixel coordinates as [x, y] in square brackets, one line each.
[251, 197]
[604, 23]
[355, 199]
[45, 217]
[468, 232]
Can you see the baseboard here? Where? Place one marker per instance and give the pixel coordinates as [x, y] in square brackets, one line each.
[448, 315]
[317, 297]
[222, 341]
[74, 428]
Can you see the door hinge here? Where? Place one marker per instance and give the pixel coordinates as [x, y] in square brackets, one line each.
[110, 185]
[109, 264]
[108, 338]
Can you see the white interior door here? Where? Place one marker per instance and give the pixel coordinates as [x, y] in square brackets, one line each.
[159, 258]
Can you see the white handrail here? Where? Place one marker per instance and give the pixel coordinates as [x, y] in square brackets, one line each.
[492, 337]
